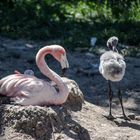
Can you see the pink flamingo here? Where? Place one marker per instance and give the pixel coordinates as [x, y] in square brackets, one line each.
[26, 89]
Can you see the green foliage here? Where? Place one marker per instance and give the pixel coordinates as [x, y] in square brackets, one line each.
[72, 22]
[133, 52]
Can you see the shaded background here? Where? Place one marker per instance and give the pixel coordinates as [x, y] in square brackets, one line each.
[27, 25]
[71, 23]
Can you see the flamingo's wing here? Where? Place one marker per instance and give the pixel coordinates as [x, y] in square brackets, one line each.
[10, 86]
[27, 89]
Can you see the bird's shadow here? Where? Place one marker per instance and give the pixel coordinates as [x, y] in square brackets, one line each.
[121, 122]
[76, 131]
[72, 128]
[126, 123]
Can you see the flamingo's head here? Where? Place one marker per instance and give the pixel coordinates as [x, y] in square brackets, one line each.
[112, 43]
[59, 54]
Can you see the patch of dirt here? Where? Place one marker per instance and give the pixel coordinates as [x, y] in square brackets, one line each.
[89, 122]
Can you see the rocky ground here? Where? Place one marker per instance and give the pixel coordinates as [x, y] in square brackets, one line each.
[88, 122]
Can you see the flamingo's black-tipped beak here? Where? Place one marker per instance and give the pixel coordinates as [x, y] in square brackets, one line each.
[63, 72]
[112, 43]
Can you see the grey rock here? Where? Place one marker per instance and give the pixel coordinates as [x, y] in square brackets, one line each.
[41, 122]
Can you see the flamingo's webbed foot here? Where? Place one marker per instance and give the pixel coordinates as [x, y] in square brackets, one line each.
[127, 118]
[110, 117]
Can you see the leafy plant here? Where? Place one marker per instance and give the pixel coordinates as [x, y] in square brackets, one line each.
[72, 22]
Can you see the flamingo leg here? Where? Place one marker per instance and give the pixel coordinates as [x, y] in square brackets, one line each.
[19, 97]
[110, 94]
[17, 100]
[121, 102]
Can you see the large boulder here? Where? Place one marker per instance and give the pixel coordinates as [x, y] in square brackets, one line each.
[36, 122]
[75, 98]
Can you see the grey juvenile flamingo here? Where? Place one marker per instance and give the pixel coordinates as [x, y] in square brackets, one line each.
[112, 67]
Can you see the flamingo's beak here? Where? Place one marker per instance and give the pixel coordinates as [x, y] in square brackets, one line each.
[63, 72]
[64, 64]
[112, 43]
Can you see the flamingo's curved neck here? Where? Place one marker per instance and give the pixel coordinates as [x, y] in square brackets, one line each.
[112, 48]
[42, 65]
